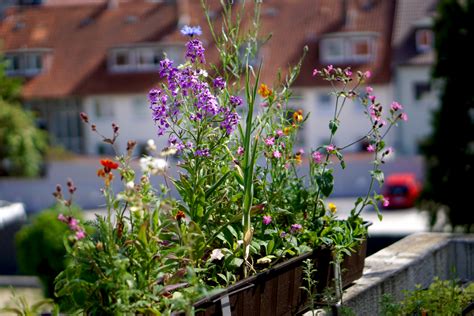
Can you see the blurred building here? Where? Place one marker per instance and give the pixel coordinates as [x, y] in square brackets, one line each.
[102, 57]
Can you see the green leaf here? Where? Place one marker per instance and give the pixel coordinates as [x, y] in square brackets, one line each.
[216, 185]
[325, 182]
[333, 126]
[378, 175]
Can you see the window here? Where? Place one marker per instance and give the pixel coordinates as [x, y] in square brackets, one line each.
[421, 90]
[24, 63]
[424, 40]
[138, 59]
[324, 100]
[345, 49]
[361, 49]
[332, 50]
[103, 110]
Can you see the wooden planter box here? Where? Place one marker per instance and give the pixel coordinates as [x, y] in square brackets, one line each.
[277, 291]
[273, 292]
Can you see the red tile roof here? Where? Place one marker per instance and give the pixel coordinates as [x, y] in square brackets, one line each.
[79, 49]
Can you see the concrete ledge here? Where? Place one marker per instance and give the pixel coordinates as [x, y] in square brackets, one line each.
[416, 259]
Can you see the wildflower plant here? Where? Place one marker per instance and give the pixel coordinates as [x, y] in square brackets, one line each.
[243, 205]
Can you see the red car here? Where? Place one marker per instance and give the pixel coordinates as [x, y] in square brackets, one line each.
[401, 189]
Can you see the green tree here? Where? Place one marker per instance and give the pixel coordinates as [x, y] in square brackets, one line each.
[21, 143]
[449, 151]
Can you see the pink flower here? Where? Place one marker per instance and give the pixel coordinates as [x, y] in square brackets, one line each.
[276, 154]
[385, 202]
[404, 117]
[348, 73]
[295, 227]
[330, 148]
[315, 72]
[369, 90]
[267, 219]
[330, 68]
[395, 106]
[317, 157]
[73, 224]
[62, 218]
[80, 234]
[264, 104]
[269, 141]
[301, 151]
[372, 98]
[240, 151]
[279, 133]
[367, 74]
[370, 148]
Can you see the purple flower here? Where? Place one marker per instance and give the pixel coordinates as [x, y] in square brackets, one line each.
[317, 157]
[276, 154]
[236, 101]
[191, 30]
[230, 122]
[240, 151]
[295, 228]
[348, 73]
[267, 219]
[202, 152]
[269, 141]
[283, 234]
[195, 50]
[219, 83]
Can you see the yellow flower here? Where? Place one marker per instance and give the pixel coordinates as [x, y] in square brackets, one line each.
[298, 158]
[298, 116]
[332, 208]
[264, 91]
[287, 131]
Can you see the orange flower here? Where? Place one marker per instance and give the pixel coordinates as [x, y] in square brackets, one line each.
[264, 91]
[180, 215]
[298, 116]
[108, 165]
[287, 130]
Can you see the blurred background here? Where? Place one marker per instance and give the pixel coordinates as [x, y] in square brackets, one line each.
[63, 57]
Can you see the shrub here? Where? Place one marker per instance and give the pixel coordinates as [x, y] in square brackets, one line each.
[40, 247]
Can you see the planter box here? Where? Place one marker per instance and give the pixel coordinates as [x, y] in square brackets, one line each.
[273, 292]
[276, 291]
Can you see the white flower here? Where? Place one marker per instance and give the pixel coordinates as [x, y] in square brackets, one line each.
[216, 254]
[153, 165]
[130, 185]
[150, 145]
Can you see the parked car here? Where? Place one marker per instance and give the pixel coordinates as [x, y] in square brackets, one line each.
[402, 190]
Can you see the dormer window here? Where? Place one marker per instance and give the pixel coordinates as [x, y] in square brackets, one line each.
[424, 40]
[141, 58]
[347, 48]
[24, 63]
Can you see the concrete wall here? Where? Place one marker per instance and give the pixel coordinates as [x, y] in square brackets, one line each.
[416, 259]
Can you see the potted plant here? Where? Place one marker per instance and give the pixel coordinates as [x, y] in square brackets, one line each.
[245, 219]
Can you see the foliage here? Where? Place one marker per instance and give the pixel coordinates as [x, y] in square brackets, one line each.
[22, 308]
[21, 143]
[39, 247]
[449, 150]
[445, 298]
[242, 207]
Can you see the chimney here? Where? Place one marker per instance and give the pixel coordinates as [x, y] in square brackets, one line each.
[112, 4]
[183, 13]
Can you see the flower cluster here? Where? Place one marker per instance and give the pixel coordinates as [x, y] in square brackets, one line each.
[73, 224]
